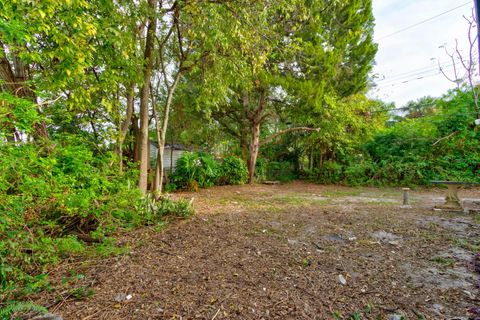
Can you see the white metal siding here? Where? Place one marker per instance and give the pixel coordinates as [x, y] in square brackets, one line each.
[168, 158]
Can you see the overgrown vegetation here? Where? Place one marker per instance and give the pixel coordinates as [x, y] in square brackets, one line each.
[61, 200]
[436, 142]
[275, 89]
[196, 170]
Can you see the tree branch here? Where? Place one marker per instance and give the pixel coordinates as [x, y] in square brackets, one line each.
[444, 138]
[275, 135]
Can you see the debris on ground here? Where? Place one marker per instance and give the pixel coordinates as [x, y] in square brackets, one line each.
[273, 256]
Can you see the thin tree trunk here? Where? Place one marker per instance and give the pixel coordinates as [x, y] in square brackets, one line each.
[254, 147]
[124, 127]
[144, 97]
[256, 120]
[162, 132]
[136, 136]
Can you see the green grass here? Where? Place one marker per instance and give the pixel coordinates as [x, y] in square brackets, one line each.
[444, 262]
[296, 200]
[342, 193]
[473, 246]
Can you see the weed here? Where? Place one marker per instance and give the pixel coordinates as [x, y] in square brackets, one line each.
[10, 309]
[342, 193]
[445, 262]
[473, 246]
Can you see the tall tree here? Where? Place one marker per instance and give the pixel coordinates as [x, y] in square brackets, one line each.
[298, 54]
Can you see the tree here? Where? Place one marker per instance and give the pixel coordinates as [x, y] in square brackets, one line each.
[297, 53]
[467, 63]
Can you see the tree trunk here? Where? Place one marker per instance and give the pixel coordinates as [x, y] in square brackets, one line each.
[144, 98]
[136, 139]
[162, 133]
[254, 147]
[124, 127]
[256, 120]
[15, 78]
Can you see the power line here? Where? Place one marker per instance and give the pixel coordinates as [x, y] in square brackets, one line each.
[410, 80]
[415, 75]
[416, 71]
[422, 22]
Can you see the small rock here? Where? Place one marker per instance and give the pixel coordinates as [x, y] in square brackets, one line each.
[437, 308]
[119, 297]
[395, 317]
[48, 316]
[342, 279]
[334, 238]
[385, 236]
[352, 238]
[128, 297]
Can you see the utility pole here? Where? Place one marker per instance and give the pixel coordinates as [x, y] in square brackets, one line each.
[477, 15]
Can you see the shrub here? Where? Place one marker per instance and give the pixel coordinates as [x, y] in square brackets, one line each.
[157, 209]
[195, 170]
[360, 172]
[261, 170]
[280, 170]
[233, 171]
[50, 195]
[330, 172]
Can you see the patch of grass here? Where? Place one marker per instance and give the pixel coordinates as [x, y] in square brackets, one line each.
[476, 217]
[81, 293]
[428, 235]
[445, 262]
[108, 248]
[299, 200]
[360, 315]
[306, 262]
[383, 203]
[13, 309]
[160, 226]
[342, 193]
[473, 246]
[289, 199]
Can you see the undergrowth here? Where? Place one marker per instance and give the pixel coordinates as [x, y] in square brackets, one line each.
[63, 200]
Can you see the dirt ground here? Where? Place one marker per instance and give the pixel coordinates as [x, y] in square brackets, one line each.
[293, 251]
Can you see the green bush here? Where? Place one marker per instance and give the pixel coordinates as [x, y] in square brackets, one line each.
[360, 172]
[52, 194]
[195, 170]
[233, 171]
[330, 172]
[261, 170]
[281, 171]
[156, 209]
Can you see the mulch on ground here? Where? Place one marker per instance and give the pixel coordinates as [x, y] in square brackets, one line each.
[293, 251]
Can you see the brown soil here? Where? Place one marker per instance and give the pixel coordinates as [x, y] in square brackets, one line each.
[282, 252]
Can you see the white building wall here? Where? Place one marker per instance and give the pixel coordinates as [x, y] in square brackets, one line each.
[169, 158]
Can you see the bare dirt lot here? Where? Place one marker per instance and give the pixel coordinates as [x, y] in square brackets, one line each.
[293, 251]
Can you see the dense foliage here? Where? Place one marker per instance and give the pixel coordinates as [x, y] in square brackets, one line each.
[196, 170]
[85, 86]
[63, 200]
[434, 141]
[233, 171]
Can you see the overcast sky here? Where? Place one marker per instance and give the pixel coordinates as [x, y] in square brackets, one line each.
[414, 53]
